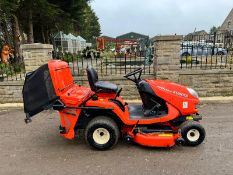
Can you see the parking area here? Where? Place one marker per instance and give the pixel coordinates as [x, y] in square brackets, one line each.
[37, 149]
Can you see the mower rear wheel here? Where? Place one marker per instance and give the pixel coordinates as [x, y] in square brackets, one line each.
[102, 133]
[192, 132]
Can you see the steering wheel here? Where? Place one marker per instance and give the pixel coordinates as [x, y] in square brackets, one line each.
[135, 80]
[134, 72]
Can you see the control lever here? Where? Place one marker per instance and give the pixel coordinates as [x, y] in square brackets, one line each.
[118, 93]
[156, 107]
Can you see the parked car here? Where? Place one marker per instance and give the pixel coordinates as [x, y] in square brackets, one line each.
[188, 49]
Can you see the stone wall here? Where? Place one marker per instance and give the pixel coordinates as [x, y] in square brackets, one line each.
[207, 83]
[11, 91]
[36, 55]
[167, 52]
[215, 82]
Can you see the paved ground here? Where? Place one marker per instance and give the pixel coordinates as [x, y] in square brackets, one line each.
[37, 148]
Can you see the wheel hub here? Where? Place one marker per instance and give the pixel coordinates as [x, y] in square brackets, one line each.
[193, 135]
[101, 136]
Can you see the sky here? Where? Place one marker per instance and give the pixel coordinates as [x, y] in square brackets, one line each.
[159, 17]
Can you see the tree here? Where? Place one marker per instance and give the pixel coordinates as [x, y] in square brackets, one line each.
[9, 23]
[39, 19]
[82, 19]
[89, 26]
[214, 29]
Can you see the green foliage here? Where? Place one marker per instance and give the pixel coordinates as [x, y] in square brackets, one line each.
[68, 57]
[78, 56]
[214, 29]
[6, 69]
[108, 54]
[109, 46]
[186, 59]
[89, 25]
[120, 55]
[7, 10]
[18, 67]
[11, 69]
[48, 17]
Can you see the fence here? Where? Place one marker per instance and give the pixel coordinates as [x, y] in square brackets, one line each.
[108, 63]
[111, 66]
[207, 51]
[14, 70]
[196, 52]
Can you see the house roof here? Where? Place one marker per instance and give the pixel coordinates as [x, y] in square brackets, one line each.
[198, 35]
[107, 37]
[201, 32]
[228, 22]
[80, 38]
[71, 36]
[132, 36]
[60, 35]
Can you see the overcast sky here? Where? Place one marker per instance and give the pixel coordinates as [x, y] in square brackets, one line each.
[155, 17]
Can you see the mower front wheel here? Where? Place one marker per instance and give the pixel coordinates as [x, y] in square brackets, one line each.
[102, 133]
[192, 132]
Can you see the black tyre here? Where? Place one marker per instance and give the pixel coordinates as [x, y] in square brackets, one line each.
[185, 54]
[102, 133]
[192, 132]
[220, 53]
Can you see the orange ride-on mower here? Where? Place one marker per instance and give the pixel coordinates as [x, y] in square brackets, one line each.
[167, 115]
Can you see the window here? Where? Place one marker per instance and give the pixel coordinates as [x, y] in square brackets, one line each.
[229, 23]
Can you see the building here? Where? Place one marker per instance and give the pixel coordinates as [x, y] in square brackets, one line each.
[126, 41]
[226, 31]
[227, 25]
[132, 36]
[197, 36]
[108, 38]
[68, 43]
[132, 40]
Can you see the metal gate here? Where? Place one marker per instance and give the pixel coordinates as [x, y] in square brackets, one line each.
[108, 64]
[210, 51]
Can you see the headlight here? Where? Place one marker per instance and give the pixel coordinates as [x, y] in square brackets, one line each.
[193, 92]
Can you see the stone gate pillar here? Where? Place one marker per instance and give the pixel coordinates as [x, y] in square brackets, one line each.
[167, 53]
[36, 55]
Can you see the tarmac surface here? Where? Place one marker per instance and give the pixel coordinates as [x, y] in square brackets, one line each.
[37, 149]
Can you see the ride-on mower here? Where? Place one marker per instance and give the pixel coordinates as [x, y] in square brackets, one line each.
[167, 115]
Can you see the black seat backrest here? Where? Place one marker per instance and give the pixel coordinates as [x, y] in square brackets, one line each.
[148, 96]
[92, 77]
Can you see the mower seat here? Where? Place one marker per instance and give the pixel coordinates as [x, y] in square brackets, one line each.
[100, 86]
